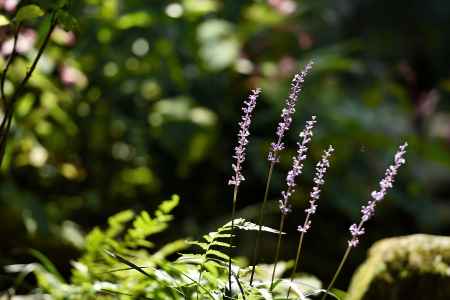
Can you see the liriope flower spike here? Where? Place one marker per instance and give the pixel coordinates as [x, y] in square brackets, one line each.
[297, 168]
[321, 169]
[319, 180]
[239, 156]
[297, 165]
[287, 112]
[275, 149]
[239, 150]
[367, 211]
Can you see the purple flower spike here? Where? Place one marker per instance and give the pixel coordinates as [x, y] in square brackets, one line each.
[297, 165]
[244, 132]
[287, 112]
[321, 169]
[386, 183]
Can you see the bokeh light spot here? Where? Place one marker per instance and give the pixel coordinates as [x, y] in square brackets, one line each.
[38, 156]
[174, 10]
[110, 69]
[140, 47]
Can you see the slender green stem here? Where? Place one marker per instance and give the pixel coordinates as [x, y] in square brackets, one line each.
[7, 108]
[260, 222]
[8, 64]
[199, 279]
[297, 256]
[233, 214]
[39, 54]
[338, 271]
[200, 272]
[199, 285]
[240, 286]
[277, 252]
[202, 268]
[6, 122]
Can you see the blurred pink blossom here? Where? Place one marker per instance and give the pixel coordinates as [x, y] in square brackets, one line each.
[287, 65]
[25, 42]
[428, 102]
[305, 40]
[65, 38]
[285, 7]
[71, 76]
[9, 5]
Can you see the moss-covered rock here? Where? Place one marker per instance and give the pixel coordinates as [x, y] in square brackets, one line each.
[415, 267]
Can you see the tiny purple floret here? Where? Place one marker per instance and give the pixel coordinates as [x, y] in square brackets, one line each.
[297, 165]
[321, 169]
[367, 211]
[244, 125]
[287, 112]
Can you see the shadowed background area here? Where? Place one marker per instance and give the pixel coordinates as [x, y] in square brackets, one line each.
[143, 102]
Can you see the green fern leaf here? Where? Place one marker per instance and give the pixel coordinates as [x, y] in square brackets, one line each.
[204, 246]
[218, 254]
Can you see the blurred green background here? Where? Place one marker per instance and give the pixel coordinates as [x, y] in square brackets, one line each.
[143, 102]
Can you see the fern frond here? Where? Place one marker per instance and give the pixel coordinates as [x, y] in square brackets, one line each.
[202, 245]
[216, 253]
[144, 225]
[242, 224]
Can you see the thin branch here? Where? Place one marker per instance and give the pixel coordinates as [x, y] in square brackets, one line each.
[38, 56]
[9, 107]
[8, 64]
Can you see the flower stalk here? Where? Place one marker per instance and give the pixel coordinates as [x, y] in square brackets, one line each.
[276, 148]
[239, 156]
[321, 169]
[367, 211]
[297, 169]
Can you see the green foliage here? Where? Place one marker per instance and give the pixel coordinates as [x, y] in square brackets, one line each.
[3, 20]
[28, 12]
[100, 271]
[67, 21]
[123, 239]
[143, 101]
[118, 263]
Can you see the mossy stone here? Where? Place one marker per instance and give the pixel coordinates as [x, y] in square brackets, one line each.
[414, 267]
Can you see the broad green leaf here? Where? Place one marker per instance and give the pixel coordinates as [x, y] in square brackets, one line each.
[29, 12]
[3, 20]
[67, 21]
[340, 294]
[199, 8]
[61, 3]
[262, 14]
[25, 105]
[137, 19]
